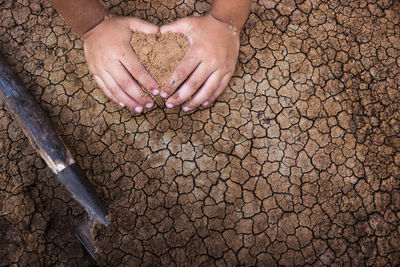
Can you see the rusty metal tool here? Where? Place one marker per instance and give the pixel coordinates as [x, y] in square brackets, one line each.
[37, 127]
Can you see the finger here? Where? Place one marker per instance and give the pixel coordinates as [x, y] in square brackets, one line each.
[105, 90]
[139, 72]
[186, 67]
[220, 89]
[137, 25]
[119, 94]
[190, 86]
[129, 86]
[205, 92]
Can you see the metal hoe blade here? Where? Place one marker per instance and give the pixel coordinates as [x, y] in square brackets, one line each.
[83, 233]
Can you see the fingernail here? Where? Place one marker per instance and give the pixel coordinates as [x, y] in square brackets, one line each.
[205, 104]
[139, 109]
[155, 92]
[169, 105]
[164, 95]
[186, 109]
[121, 104]
[149, 105]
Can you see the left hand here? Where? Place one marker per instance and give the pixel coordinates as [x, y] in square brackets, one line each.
[206, 69]
[115, 66]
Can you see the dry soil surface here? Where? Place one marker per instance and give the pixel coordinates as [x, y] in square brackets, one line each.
[298, 162]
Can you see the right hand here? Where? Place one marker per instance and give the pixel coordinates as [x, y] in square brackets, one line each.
[114, 64]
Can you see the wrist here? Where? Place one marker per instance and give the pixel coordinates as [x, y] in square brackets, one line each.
[231, 12]
[234, 26]
[230, 27]
[86, 34]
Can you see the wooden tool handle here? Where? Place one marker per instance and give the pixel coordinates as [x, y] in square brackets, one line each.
[37, 127]
[33, 121]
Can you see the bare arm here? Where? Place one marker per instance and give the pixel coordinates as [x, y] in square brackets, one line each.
[111, 60]
[81, 15]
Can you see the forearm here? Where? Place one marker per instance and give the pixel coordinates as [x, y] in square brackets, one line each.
[81, 15]
[233, 12]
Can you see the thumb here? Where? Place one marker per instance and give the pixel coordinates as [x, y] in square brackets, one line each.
[138, 25]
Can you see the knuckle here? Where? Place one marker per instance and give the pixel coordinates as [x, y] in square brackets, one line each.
[114, 90]
[114, 52]
[213, 61]
[102, 58]
[193, 85]
[142, 77]
[180, 75]
[135, 70]
[148, 83]
[125, 83]
[176, 100]
[209, 90]
[200, 51]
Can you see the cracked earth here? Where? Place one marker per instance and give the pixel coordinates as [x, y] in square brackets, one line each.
[298, 162]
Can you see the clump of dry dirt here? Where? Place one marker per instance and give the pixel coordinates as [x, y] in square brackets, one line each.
[160, 53]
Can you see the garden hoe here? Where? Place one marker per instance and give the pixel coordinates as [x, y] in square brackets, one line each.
[36, 126]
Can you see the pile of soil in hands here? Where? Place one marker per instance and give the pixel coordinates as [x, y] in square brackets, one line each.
[160, 53]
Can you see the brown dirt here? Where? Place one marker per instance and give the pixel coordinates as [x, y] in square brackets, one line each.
[159, 53]
[297, 163]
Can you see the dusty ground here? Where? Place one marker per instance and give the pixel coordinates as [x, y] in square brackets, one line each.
[297, 163]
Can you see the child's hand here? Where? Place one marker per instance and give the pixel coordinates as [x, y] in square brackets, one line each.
[207, 67]
[114, 64]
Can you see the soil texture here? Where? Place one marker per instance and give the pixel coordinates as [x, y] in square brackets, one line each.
[160, 53]
[297, 163]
